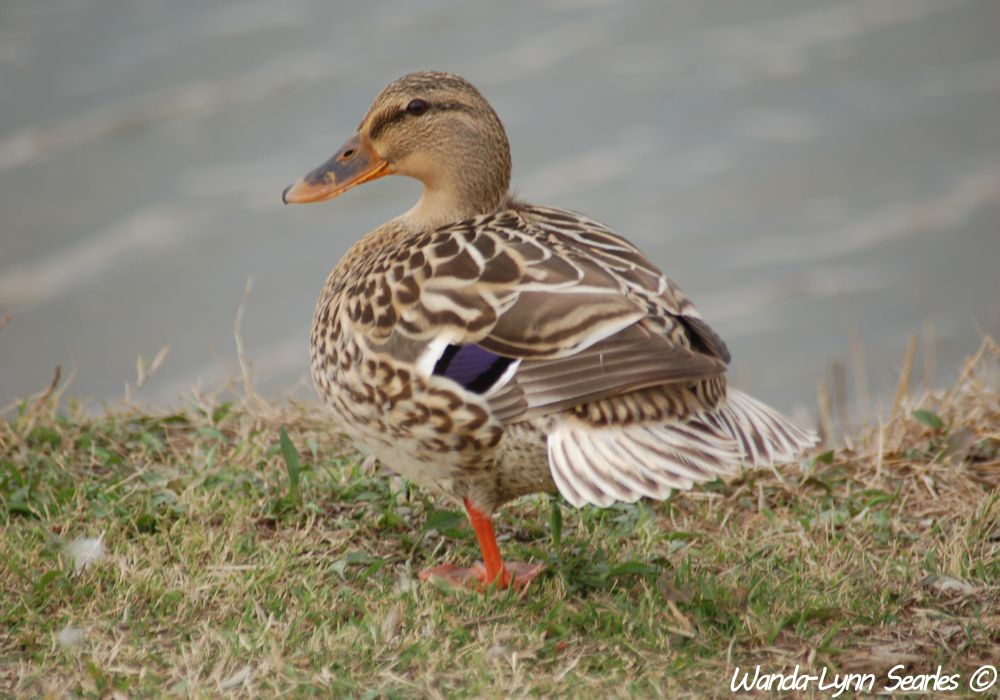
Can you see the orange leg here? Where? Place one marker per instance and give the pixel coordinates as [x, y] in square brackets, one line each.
[492, 569]
[482, 524]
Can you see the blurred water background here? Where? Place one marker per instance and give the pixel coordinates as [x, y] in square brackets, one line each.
[822, 177]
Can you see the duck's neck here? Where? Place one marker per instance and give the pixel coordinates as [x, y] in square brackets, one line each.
[440, 206]
[467, 177]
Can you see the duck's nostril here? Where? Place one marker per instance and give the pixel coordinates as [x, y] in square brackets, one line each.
[349, 153]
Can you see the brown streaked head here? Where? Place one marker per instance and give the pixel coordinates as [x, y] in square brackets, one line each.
[435, 127]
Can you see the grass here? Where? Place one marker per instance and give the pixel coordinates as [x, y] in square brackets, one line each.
[251, 552]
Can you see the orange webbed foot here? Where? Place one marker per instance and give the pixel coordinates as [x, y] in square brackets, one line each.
[494, 570]
[516, 574]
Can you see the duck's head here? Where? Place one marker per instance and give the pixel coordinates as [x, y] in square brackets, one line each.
[431, 126]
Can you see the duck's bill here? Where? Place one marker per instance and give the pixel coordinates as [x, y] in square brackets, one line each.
[355, 163]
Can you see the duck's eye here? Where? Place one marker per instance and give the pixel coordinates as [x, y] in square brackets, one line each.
[417, 107]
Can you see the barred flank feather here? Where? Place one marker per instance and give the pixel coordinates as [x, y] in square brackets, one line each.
[765, 436]
[601, 465]
[625, 463]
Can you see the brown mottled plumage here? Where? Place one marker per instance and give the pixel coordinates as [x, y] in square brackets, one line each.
[487, 348]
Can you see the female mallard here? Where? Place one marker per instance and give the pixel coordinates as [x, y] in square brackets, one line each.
[488, 348]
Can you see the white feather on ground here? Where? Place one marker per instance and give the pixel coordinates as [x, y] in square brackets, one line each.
[85, 551]
[70, 637]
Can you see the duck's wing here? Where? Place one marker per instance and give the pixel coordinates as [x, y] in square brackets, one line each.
[538, 310]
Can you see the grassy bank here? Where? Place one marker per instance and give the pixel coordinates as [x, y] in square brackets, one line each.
[226, 560]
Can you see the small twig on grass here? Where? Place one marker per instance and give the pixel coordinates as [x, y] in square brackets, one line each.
[904, 385]
[44, 396]
[825, 414]
[904, 377]
[880, 447]
[143, 371]
[245, 371]
[839, 382]
[970, 365]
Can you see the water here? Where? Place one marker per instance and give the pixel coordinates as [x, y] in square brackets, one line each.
[809, 172]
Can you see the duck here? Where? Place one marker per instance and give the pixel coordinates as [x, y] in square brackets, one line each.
[485, 348]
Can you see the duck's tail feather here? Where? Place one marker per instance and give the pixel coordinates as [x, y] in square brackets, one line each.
[601, 465]
[765, 436]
